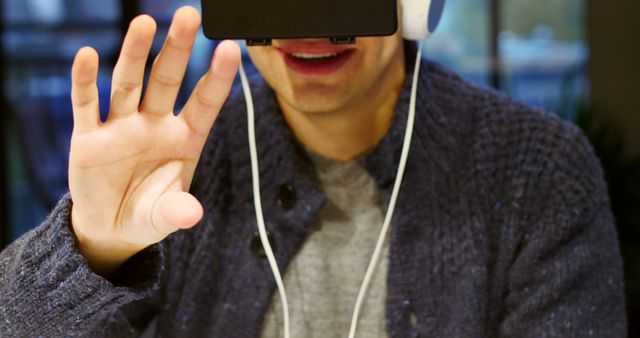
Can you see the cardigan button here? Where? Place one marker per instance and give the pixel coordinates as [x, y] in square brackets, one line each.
[286, 196]
[256, 244]
[413, 319]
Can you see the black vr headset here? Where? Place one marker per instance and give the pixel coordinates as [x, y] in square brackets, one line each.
[259, 21]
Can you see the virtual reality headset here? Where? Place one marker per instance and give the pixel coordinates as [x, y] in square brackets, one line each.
[341, 21]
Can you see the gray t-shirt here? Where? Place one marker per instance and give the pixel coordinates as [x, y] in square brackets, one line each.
[323, 280]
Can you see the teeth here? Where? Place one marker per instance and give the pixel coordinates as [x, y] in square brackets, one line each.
[314, 56]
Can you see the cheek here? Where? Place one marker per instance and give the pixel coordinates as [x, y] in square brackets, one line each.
[374, 48]
[263, 58]
[372, 60]
[257, 56]
[268, 62]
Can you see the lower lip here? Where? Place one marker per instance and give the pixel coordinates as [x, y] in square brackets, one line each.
[317, 67]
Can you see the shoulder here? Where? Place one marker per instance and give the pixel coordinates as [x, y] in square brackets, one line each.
[508, 142]
[492, 113]
[495, 120]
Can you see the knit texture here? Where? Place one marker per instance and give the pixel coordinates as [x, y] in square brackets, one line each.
[502, 228]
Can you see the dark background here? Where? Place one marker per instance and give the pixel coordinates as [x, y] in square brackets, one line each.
[575, 58]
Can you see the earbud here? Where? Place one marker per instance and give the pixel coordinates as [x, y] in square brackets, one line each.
[421, 18]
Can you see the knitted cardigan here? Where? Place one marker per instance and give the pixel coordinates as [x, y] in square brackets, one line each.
[502, 229]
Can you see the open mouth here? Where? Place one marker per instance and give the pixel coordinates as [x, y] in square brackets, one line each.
[315, 57]
[316, 62]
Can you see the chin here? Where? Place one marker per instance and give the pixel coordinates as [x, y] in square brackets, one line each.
[316, 102]
[315, 106]
[319, 97]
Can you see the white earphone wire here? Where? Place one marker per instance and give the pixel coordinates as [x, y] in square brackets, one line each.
[255, 175]
[394, 195]
[387, 221]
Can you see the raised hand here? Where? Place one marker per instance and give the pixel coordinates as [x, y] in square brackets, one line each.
[129, 176]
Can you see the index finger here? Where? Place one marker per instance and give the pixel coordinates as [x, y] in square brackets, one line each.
[213, 89]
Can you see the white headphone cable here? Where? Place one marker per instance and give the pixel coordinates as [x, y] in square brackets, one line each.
[255, 175]
[387, 221]
[394, 195]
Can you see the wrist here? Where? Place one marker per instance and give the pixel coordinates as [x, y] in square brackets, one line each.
[103, 255]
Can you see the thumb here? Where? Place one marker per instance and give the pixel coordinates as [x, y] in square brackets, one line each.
[176, 210]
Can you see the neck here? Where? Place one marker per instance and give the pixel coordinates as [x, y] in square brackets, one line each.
[343, 135]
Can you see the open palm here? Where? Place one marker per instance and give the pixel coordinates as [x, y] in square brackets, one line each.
[129, 176]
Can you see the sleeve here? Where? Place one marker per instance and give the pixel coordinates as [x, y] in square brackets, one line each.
[566, 279]
[48, 289]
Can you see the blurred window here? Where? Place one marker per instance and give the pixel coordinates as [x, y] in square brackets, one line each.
[462, 41]
[543, 53]
[39, 41]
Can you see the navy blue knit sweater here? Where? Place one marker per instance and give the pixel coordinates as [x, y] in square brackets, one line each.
[502, 229]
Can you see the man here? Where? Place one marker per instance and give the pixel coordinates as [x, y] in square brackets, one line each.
[502, 226]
